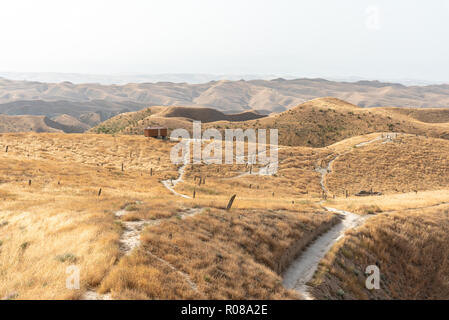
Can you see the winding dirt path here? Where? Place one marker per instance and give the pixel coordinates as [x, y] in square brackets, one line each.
[328, 169]
[267, 170]
[171, 184]
[303, 268]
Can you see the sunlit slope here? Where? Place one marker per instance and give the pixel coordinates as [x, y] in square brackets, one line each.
[316, 123]
[322, 122]
[60, 194]
[53, 214]
[409, 248]
[407, 163]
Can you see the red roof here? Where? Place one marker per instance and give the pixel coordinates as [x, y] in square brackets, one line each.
[155, 128]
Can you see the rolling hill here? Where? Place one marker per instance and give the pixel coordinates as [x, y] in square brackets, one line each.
[84, 114]
[316, 123]
[72, 124]
[38, 124]
[171, 117]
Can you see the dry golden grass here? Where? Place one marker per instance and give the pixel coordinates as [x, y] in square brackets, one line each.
[410, 249]
[228, 255]
[407, 164]
[60, 220]
[47, 220]
[392, 202]
[429, 115]
[141, 276]
[296, 179]
[60, 213]
[102, 151]
[325, 121]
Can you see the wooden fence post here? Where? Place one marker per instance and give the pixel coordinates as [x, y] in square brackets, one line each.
[231, 201]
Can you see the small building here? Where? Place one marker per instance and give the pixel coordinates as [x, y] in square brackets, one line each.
[156, 132]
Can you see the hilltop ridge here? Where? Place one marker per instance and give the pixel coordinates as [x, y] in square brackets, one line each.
[316, 123]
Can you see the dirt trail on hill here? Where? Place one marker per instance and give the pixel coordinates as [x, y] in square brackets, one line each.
[326, 170]
[303, 268]
[269, 169]
[130, 239]
[171, 184]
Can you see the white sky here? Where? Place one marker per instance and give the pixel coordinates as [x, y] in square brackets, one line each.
[372, 39]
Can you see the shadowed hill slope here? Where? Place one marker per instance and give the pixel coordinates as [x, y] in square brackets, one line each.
[171, 117]
[83, 115]
[28, 123]
[72, 124]
[206, 114]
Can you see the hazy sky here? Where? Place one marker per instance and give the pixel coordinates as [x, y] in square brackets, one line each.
[372, 39]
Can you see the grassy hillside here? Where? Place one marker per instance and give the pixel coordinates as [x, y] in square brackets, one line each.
[72, 124]
[50, 196]
[53, 215]
[171, 117]
[34, 124]
[88, 113]
[324, 121]
[424, 115]
[410, 249]
[316, 123]
[406, 164]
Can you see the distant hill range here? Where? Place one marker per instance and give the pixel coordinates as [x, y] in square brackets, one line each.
[82, 106]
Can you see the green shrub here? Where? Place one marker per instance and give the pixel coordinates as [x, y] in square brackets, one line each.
[67, 257]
